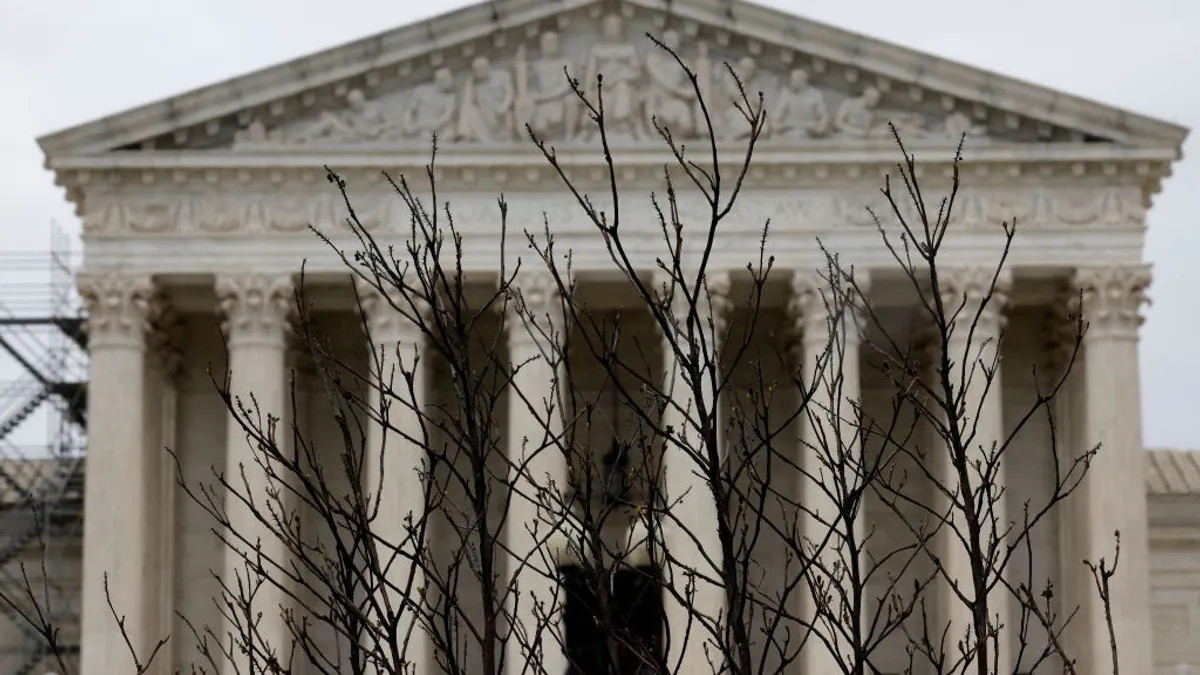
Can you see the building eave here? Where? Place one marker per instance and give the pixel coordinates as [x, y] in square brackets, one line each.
[521, 156]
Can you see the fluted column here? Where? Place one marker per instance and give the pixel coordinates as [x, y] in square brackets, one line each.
[1073, 583]
[690, 533]
[118, 502]
[1113, 496]
[162, 388]
[972, 348]
[537, 473]
[255, 308]
[832, 450]
[395, 465]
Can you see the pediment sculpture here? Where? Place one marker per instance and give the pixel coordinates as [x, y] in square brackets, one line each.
[491, 99]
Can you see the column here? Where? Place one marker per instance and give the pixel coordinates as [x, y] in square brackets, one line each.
[1113, 495]
[162, 387]
[538, 471]
[972, 349]
[830, 339]
[394, 469]
[256, 309]
[1074, 583]
[118, 505]
[690, 533]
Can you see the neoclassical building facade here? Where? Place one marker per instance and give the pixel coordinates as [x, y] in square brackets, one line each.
[198, 208]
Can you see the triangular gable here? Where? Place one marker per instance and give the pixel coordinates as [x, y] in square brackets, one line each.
[474, 76]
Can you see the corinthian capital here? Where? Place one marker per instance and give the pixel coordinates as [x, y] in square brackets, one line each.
[1113, 297]
[534, 297]
[392, 315]
[165, 342]
[712, 300]
[255, 307]
[119, 307]
[964, 291]
[813, 298]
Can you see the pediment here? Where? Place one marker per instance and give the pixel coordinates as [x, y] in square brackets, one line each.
[477, 83]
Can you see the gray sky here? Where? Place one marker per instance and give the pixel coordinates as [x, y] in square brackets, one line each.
[63, 62]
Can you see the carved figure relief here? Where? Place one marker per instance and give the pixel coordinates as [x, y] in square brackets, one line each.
[731, 120]
[670, 97]
[957, 124]
[856, 115]
[493, 97]
[433, 108]
[487, 101]
[544, 97]
[705, 73]
[363, 120]
[620, 62]
[801, 111]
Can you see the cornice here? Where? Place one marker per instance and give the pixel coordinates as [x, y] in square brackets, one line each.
[522, 155]
[766, 31]
[527, 170]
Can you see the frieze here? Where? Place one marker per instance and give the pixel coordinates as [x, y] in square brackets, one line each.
[482, 99]
[292, 212]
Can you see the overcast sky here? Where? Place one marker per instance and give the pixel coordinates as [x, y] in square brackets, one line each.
[64, 62]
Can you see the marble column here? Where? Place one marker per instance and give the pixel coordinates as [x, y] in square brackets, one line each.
[256, 308]
[118, 504]
[973, 345]
[537, 472]
[690, 533]
[829, 361]
[1113, 495]
[394, 468]
[162, 389]
[1073, 584]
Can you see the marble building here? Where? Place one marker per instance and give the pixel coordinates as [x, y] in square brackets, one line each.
[201, 204]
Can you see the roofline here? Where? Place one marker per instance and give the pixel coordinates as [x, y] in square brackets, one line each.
[878, 54]
[446, 30]
[292, 76]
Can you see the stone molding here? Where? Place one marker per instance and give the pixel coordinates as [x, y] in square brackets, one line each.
[255, 308]
[1113, 297]
[290, 212]
[120, 307]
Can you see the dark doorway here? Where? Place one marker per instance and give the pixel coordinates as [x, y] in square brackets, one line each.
[635, 613]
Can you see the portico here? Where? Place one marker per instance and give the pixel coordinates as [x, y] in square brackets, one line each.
[196, 212]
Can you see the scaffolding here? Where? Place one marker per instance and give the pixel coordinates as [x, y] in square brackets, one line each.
[43, 374]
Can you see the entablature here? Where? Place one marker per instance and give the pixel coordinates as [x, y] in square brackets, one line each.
[815, 197]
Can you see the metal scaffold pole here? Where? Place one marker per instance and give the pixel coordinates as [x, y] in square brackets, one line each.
[43, 373]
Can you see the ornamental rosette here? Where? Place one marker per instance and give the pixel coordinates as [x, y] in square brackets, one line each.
[255, 306]
[119, 307]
